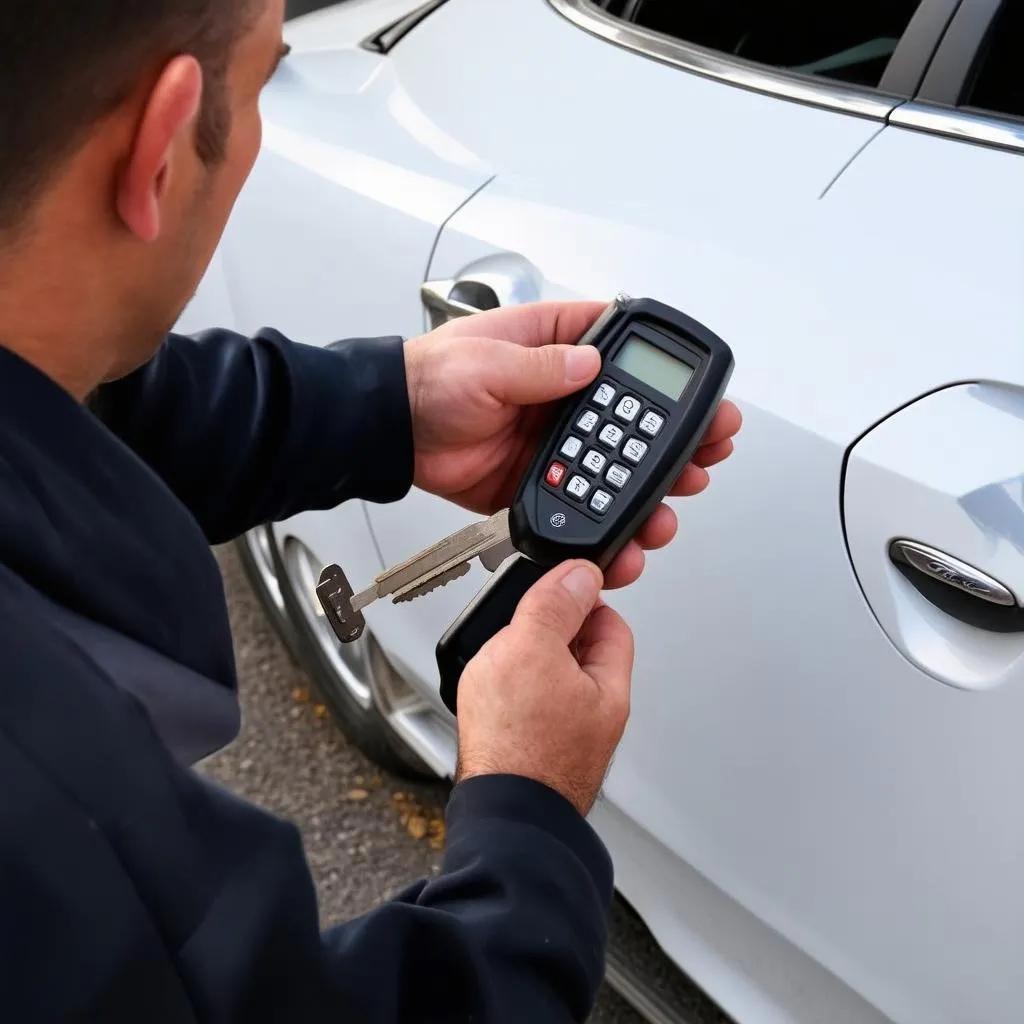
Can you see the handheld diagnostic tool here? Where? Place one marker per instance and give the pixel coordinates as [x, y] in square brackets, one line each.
[613, 453]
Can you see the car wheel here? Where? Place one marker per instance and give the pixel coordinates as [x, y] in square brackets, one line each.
[255, 552]
[345, 676]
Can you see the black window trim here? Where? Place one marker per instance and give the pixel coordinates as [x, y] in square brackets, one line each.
[937, 107]
[932, 62]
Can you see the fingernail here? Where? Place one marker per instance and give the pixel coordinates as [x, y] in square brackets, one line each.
[584, 583]
[581, 363]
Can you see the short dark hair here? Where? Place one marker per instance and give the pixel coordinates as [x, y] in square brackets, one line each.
[68, 63]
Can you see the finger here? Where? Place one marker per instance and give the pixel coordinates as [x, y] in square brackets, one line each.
[659, 529]
[711, 454]
[725, 423]
[533, 323]
[692, 480]
[560, 601]
[627, 567]
[529, 376]
[605, 650]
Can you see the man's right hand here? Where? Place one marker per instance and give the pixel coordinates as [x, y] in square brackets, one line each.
[548, 696]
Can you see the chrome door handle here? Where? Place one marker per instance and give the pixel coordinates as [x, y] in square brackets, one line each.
[500, 279]
[446, 300]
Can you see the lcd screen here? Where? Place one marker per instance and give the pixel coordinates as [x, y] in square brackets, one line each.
[654, 366]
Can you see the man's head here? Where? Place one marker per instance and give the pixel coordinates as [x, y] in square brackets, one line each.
[127, 129]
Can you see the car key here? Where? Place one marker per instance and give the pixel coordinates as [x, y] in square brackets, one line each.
[433, 567]
[614, 452]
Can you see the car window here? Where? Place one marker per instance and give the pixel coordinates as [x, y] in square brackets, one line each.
[845, 40]
[998, 84]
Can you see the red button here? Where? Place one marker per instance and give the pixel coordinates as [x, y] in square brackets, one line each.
[556, 473]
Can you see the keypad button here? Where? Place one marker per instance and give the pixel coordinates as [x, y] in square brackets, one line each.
[600, 502]
[571, 447]
[603, 395]
[634, 450]
[610, 436]
[618, 476]
[577, 488]
[586, 423]
[593, 462]
[627, 409]
[651, 423]
[556, 474]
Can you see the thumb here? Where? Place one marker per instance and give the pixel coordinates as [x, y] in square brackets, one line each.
[559, 602]
[531, 376]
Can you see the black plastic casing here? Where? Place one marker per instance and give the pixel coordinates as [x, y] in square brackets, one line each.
[600, 538]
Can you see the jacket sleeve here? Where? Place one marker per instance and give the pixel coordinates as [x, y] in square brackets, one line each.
[247, 431]
[513, 930]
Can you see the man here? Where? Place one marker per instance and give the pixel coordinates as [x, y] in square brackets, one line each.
[130, 888]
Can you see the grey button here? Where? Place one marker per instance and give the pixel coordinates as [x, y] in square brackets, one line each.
[571, 447]
[600, 502]
[586, 423]
[610, 436]
[651, 423]
[627, 409]
[603, 395]
[577, 488]
[593, 461]
[618, 476]
[634, 450]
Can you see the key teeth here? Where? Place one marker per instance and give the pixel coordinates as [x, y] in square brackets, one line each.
[440, 580]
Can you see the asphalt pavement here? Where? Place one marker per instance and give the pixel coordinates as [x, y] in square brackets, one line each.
[367, 834]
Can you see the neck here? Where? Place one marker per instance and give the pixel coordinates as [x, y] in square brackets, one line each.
[51, 303]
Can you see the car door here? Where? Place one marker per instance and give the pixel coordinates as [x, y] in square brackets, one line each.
[799, 812]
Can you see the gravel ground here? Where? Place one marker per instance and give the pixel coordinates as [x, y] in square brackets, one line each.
[367, 834]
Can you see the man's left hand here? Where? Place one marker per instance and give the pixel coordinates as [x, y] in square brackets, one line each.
[480, 389]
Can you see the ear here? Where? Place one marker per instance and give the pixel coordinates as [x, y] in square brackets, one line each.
[166, 132]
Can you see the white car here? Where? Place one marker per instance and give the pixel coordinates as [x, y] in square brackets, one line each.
[817, 808]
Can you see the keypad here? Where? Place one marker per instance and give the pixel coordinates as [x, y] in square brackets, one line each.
[650, 423]
[627, 409]
[618, 476]
[610, 436]
[634, 450]
[577, 487]
[580, 465]
[571, 447]
[601, 502]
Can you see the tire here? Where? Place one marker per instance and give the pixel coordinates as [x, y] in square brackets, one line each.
[341, 673]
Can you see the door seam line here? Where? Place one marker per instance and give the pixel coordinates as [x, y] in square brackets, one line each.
[856, 153]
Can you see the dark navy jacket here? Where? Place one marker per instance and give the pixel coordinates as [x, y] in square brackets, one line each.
[132, 889]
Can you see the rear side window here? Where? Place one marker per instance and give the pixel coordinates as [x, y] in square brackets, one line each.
[848, 41]
[998, 84]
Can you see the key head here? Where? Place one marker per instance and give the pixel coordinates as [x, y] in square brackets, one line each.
[335, 595]
[490, 611]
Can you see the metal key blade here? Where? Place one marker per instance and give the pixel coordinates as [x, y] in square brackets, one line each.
[430, 584]
[444, 561]
[461, 546]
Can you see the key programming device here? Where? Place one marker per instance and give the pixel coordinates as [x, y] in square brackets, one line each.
[613, 453]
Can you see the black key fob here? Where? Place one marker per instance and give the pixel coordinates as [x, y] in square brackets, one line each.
[488, 613]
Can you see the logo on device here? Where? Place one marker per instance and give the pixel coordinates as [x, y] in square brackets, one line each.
[558, 520]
